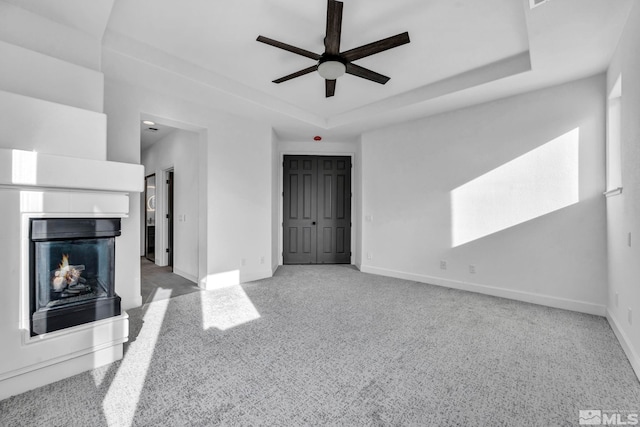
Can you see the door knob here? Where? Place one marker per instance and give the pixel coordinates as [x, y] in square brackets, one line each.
[313, 223]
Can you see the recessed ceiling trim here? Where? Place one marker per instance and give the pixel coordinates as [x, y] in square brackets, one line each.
[488, 73]
[124, 52]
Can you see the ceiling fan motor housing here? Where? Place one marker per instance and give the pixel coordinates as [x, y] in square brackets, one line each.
[331, 67]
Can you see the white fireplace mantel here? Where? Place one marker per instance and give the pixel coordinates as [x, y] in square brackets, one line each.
[22, 168]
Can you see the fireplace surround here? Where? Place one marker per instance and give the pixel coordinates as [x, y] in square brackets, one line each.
[72, 264]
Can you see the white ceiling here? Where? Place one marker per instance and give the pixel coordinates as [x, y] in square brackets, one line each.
[150, 134]
[462, 52]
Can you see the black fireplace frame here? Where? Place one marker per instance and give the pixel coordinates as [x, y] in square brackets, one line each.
[73, 314]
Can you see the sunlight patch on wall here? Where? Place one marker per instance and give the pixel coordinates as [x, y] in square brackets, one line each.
[226, 308]
[24, 167]
[130, 378]
[539, 182]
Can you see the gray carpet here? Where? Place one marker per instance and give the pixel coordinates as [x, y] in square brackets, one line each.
[155, 281]
[328, 345]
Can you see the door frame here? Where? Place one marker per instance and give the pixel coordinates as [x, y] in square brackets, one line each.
[162, 233]
[354, 212]
[170, 221]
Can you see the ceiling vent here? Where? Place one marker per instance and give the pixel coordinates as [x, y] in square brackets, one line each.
[534, 3]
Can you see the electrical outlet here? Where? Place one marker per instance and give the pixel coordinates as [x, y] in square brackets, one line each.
[629, 317]
[443, 265]
[369, 256]
[243, 262]
[368, 218]
[262, 259]
[472, 269]
[616, 299]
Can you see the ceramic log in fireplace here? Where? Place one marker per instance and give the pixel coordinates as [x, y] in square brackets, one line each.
[72, 272]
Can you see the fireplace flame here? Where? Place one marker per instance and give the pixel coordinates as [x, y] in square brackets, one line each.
[64, 265]
[66, 275]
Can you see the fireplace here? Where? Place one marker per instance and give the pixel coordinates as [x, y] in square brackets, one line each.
[72, 272]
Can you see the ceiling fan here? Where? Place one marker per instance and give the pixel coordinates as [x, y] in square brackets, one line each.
[333, 63]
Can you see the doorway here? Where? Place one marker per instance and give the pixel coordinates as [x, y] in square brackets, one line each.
[169, 216]
[150, 217]
[317, 210]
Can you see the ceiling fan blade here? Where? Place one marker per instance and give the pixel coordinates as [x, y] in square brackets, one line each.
[359, 71]
[334, 27]
[288, 47]
[376, 47]
[329, 88]
[296, 74]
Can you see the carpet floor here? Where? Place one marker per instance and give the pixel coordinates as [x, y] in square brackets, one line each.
[329, 345]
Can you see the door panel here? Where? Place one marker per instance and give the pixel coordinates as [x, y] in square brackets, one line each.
[334, 186]
[317, 210]
[300, 194]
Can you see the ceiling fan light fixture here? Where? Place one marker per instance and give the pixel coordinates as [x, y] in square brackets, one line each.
[331, 69]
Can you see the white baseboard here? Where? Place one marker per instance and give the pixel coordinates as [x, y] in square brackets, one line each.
[546, 300]
[633, 357]
[250, 276]
[184, 274]
[29, 380]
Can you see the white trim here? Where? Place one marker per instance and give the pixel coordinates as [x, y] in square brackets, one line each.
[31, 379]
[255, 275]
[541, 299]
[186, 275]
[631, 354]
[162, 208]
[613, 192]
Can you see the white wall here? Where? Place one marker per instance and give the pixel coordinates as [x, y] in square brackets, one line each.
[38, 34]
[177, 151]
[623, 211]
[45, 77]
[275, 201]
[235, 186]
[410, 172]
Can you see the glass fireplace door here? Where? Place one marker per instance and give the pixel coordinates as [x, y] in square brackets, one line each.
[72, 271]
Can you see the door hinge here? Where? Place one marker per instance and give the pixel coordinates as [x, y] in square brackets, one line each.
[167, 216]
[168, 181]
[167, 250]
